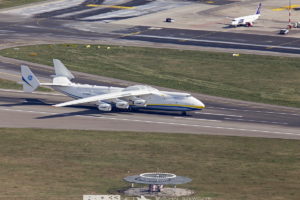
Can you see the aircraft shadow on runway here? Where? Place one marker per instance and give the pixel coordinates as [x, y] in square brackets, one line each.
[27, 101]
[94, 112]
[89, 110]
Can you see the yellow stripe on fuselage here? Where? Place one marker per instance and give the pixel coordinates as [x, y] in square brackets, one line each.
[109, 6]
[177, 105]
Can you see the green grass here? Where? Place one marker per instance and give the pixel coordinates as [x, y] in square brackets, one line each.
[267, 79]
[7, 84]
[12, 3]
[65, 164]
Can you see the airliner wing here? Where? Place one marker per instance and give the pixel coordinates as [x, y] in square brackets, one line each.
[107, 97]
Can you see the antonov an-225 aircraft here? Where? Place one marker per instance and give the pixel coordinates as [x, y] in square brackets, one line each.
[132, 97]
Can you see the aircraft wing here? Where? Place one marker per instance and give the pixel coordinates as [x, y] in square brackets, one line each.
[107, 97]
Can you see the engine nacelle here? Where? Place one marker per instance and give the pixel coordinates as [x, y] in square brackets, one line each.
[122, 104]
[104, 107]
[139, 102]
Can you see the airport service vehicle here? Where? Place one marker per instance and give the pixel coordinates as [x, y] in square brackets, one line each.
[246, 20]
[106, 98]
[284, 31]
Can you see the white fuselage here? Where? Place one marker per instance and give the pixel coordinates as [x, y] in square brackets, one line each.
[170, 101]
[246, 20]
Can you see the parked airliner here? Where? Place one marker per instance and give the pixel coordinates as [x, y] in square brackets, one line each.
[246, 20]
[106, 98]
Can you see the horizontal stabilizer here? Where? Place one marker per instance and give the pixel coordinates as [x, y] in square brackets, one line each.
[61, 81]
[51, 84]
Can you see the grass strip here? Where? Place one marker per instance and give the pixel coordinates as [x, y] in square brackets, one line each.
[7, 84]
[65, 164]
[12, 3]
[266, 79]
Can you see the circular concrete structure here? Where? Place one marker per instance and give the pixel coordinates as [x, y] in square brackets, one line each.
[156, 182]
[157, 178]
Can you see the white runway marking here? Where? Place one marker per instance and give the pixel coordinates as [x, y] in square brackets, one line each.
[257, 111]
[190, 118]
[28, 26]
[7, 31]
[151, 7]
[159, 122]
[218, 114]
[257, 121]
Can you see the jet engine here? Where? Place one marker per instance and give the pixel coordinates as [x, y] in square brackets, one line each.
[122, 104]
[104, 106]
[139, 102]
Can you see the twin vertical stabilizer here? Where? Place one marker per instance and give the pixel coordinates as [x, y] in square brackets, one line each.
[62, 77]
[61, 70]
[29, 80]
[258, 9]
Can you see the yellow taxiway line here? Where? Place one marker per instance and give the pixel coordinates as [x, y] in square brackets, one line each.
[286, 7]
[109, 6]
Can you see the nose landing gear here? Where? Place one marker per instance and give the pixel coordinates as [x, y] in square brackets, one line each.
[184, 113]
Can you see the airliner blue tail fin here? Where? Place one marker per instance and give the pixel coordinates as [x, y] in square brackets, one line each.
[29, 80]
[258, 9]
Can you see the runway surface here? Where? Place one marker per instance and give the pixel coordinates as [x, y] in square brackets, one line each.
[35, 110]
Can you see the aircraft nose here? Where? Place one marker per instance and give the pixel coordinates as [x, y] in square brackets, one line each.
[201, 104]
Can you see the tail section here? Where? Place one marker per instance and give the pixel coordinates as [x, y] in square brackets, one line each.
[258, 9]
[62, 75]
[29, 80]
[61, 70]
